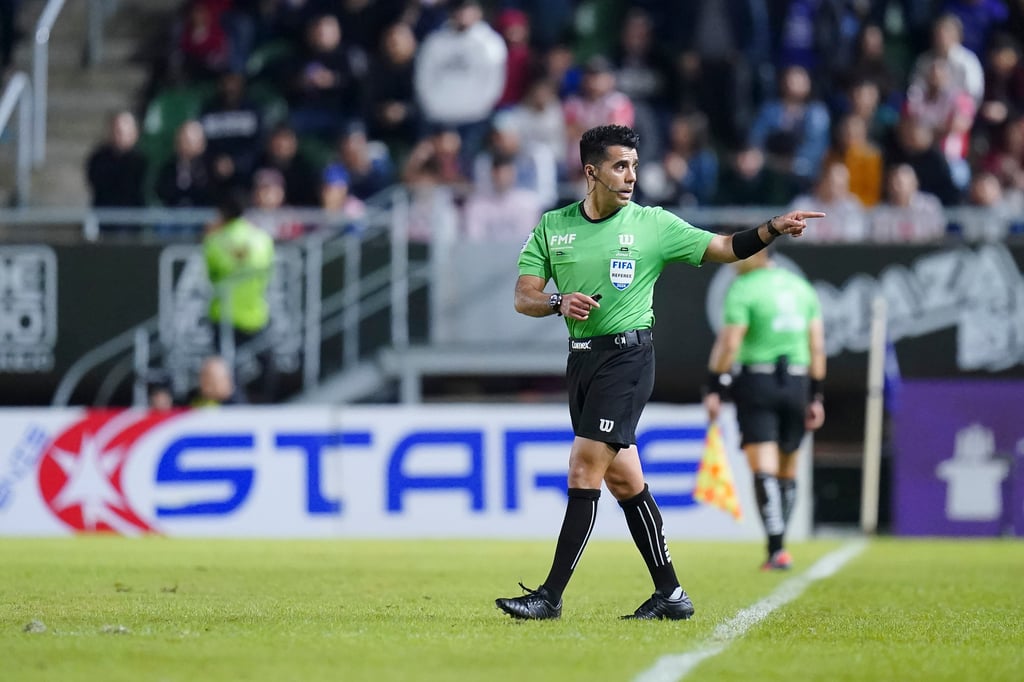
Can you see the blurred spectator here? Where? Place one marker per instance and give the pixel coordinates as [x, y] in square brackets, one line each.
[368, 163]
[845, 219]
[501, 211]
[748, 181]
[437, 157]
[644, 73]
[965, 67]
[514, 27]
[430, 202]
[392, 114]
[1005, 159]
[1004, 84]
[913, 143]
[599, 103]
[364, 21]
[269, 212]
[687, 173]
[116, 169]
[539, 122]
[460, 74]
[865, 103]
[550, 20]
[907, 215]
[726, 66]
[560, 68]
[979, 18]
[216, 385]
[203, 49]
[871, 64]
[793, 130]
[995, 211]
[239, 262]
[945, 108]
[345, 211]
[324, 81]
[301, 178]
[185, 179]
[822, 37]
[862, 158]
[159, 396]
[233, 128]
[535, 167]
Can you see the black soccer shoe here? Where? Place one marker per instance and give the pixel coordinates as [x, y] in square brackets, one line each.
[660, 607]
[534, 605]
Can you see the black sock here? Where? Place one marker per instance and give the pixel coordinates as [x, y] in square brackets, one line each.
[769, 505]
[580, 514]
[645, 524]
[788, 488]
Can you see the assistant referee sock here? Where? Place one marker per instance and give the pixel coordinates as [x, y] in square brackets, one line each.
[787, 486]
[580, 514]
[769, 505]
[647, 528]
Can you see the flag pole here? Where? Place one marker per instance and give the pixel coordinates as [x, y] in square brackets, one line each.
[873, 419]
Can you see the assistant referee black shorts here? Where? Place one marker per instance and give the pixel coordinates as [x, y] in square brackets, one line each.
[771, 409]
[608, 390]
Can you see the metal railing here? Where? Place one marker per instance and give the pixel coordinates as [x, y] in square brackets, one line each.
[18, 94]
[40, 74]
[131, 355]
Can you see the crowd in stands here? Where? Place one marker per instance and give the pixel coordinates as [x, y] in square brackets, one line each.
[882, 114]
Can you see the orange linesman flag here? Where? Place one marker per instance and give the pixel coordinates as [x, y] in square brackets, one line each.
[715, 486]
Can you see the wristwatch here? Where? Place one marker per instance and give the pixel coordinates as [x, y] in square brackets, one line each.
[555, 301]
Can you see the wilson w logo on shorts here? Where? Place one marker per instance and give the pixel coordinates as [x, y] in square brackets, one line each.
[606, 425]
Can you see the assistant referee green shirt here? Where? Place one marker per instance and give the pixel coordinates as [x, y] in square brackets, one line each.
[776, 306]
[619, 257]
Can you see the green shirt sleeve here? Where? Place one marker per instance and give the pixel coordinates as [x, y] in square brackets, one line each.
[680, 240]
[534, 257]
[737, 310]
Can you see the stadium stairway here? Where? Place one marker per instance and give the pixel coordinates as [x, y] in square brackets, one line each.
[82, 98]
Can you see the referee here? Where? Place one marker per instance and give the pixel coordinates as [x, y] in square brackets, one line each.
[604, 255]
[773, 327]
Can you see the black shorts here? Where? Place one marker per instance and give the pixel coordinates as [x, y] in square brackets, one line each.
[608, 390]
[771, 409]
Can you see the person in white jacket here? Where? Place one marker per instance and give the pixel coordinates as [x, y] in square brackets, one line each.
[460, 73]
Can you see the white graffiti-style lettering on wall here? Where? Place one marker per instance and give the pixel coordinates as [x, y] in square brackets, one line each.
[978, 292]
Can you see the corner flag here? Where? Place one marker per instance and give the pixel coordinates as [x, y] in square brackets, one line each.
[715, 486]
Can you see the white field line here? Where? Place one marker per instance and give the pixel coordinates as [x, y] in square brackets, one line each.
[674, 667]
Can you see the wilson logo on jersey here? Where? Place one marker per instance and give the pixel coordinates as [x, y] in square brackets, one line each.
[626, 240]
[621, 273]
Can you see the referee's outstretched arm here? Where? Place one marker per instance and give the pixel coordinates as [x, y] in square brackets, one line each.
[729, 248]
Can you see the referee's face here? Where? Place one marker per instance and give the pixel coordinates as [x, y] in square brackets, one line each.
[616, 176]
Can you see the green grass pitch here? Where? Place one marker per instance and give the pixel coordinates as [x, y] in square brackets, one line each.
[107, 609]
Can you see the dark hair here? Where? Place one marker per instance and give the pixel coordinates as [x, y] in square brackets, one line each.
[595, 142]
[231, 205]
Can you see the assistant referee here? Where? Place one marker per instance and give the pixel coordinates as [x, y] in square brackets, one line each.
[773, 328]
[605, 254]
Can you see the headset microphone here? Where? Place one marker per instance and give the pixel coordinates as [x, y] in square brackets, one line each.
[598, 180]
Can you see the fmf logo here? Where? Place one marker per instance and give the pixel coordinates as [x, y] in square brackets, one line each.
[561, 239]
[134, 472]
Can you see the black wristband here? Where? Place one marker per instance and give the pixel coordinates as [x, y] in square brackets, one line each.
[771, 228]
[713, 384]
[817, 396]
[746, 243]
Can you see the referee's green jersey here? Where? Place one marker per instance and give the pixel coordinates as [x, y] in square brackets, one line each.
[776, 306]
[619, 257]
